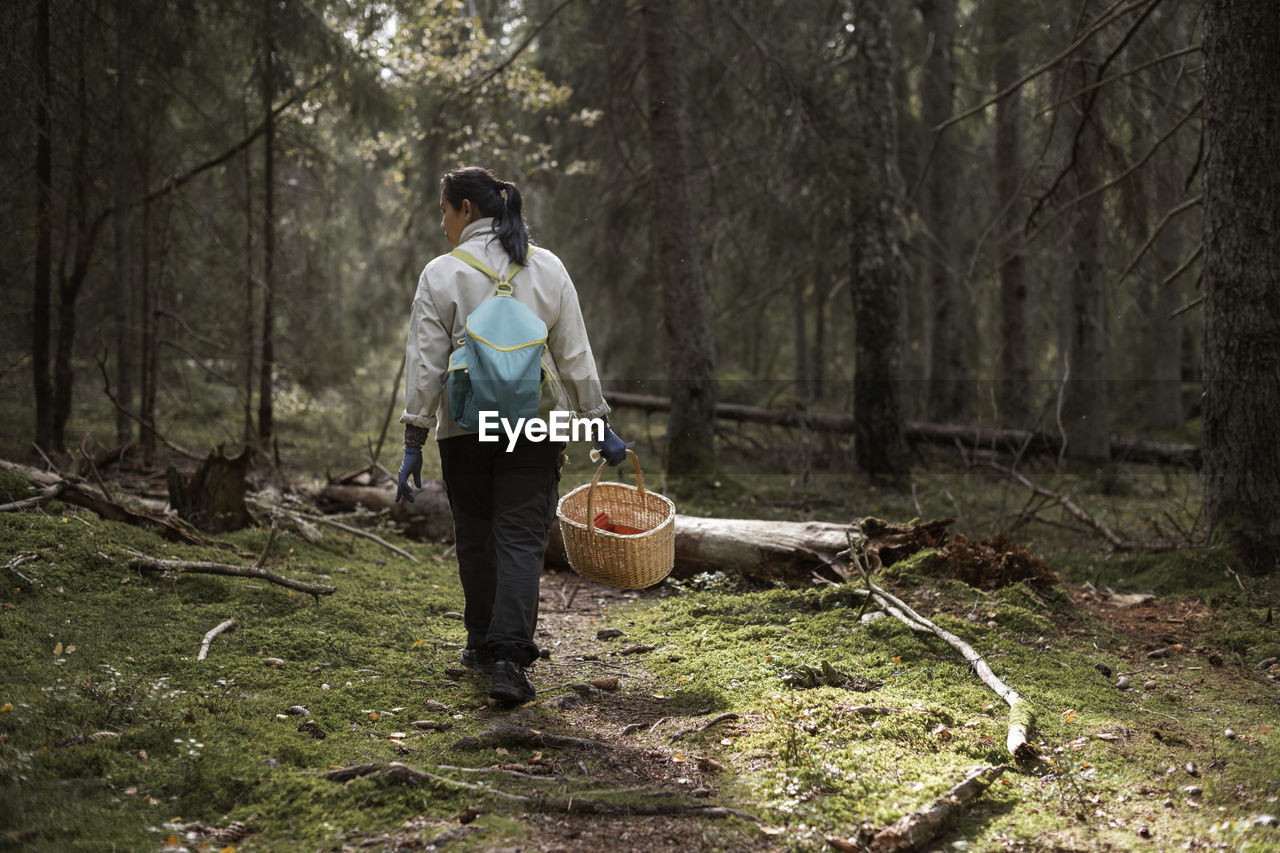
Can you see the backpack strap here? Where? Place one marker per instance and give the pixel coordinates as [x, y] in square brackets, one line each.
[503, 283]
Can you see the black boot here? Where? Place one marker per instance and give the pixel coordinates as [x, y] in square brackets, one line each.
[478, 660]
[510, 684]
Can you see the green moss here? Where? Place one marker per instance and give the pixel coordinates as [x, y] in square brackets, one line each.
[13, 486]
[220, 745]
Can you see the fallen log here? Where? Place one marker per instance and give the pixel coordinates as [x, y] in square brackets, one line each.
[44, 496]
[765, 551]
[1005, 440]
[73, 491]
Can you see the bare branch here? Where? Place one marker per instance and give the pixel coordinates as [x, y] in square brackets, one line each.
[1107, 18]
[1191, 48]
[520, 48]
[1108, 184]
[208, 638]
[106, 389]
[143, 561]
[1168, 217]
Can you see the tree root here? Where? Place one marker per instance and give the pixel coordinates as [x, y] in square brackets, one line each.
[723, 718]
[401, 774]
[508, 735]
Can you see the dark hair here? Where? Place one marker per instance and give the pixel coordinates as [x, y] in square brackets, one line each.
[482, 189]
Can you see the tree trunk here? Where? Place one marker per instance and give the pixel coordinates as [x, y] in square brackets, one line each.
[1242, 275]
[85, 236]
[1085, 406]
[41, 317]
[248, 297]
[948, 317]
[265, 383]
[801, 374]
[1016, 400]
[123, 133]
[879, 446]
[150, 340]
[1163, 403]
[820, 356]
[691, 360]
[1162, 364]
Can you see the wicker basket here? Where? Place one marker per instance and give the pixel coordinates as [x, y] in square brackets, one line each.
[628, 561]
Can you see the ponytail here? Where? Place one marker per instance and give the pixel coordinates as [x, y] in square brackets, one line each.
[486, 192]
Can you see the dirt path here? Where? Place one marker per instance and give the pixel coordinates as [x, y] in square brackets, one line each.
[595, 686]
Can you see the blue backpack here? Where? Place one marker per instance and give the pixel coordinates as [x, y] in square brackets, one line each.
[497, 365]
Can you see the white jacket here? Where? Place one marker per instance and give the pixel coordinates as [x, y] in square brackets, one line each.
[449, 290]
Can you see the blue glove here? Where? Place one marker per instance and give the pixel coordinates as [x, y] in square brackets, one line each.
[411, 464]
[612, 448]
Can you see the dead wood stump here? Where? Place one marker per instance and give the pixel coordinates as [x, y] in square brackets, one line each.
[213, 497]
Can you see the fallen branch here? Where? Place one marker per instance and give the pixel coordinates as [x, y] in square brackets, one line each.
[401, 774]
[366, 534]
[300, 519]
[1021, 715]
[143, 561]
[73, 492]
[1105, 532]
[43, 496]
[18, 560]
[208, 638]
[915, 830]
[723, 718]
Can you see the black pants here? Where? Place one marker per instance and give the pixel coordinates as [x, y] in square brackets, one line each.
[503, 504]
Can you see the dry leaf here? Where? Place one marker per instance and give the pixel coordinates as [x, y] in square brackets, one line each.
[57, 650]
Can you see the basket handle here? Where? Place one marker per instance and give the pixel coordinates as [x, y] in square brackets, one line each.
[591, 492]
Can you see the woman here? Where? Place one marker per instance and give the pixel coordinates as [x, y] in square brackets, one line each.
[503, 498]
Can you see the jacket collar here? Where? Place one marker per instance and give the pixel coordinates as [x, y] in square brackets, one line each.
[480, 226]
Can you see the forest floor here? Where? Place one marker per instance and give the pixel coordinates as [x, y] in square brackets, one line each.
[708, 714]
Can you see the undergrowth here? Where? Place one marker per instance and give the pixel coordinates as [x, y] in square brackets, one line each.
[113, 735]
